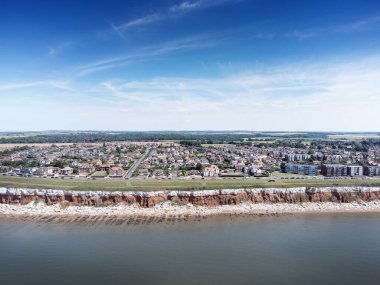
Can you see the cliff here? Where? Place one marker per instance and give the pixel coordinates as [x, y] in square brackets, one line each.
[197, 198]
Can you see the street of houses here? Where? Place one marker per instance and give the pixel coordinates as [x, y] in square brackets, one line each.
[159, 160]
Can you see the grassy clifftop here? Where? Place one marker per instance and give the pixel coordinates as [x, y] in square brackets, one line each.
[154, 185]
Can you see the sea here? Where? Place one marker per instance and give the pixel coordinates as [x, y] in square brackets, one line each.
[296, 249]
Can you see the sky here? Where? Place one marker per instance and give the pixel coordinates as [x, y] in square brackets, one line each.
[261, 65]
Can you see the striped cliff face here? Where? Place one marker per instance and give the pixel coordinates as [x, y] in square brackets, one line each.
[197, 198]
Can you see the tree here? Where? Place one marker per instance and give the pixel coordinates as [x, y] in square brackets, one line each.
[58, 163]
[34, 163]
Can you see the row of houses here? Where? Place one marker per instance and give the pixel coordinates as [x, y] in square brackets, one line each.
[84, 171]
[326, 156]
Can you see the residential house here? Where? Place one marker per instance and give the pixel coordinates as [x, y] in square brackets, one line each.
[52, 170]
[66, 171]
[194, 174]
[143, 173]
[210, 171]
[5, 169]
[85, 169]
[116, 172]
[158, 173]
[104, 167]
[41, 171]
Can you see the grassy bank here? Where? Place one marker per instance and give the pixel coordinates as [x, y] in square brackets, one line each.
[152, 185]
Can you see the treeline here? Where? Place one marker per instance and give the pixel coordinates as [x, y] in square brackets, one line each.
[204, 137]
[360, 146]
[20, 163]
[128, 136]
[7, 152]
[190, 143]
[281, 143]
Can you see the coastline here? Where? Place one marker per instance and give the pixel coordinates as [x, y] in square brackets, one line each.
[167, 208]
[209, 198]
[34, 203]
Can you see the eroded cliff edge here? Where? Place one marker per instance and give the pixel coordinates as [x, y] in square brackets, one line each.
[196, 198]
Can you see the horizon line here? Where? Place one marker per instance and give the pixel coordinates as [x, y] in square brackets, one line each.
[194, 130]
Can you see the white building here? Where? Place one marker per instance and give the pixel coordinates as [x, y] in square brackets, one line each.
[210, 171]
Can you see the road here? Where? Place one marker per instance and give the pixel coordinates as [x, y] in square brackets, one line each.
[136, 164]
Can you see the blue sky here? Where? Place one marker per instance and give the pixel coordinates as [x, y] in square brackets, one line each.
[190, 65]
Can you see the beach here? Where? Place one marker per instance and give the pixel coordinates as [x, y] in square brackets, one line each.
[167, 208]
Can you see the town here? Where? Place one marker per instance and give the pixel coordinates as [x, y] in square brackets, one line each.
[192, 160]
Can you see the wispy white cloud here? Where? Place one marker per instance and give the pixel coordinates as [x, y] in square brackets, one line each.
[302, 34]
[304, 96]
[362, 25]
[185, 6]
[149, 52]
[56, 84]
[60, 48]
[173, 11]
[148, 19]
[329, 94]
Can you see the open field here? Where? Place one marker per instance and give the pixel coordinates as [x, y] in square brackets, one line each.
[152, 185]
[12, 145]
[283, 174]
[287, 133]
[355, 136]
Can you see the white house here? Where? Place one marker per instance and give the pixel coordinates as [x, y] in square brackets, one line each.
[210, 171]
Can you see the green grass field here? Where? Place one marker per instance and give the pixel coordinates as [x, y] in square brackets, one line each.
[152, 185]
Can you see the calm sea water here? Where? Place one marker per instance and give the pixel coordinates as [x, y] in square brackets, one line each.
[326, 249]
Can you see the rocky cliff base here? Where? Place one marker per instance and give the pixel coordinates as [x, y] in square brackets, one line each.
[167, 212]
[206, 198]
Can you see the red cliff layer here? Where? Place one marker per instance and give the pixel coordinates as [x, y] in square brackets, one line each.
[197, 198]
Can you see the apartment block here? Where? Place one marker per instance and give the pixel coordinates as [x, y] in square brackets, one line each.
[354, 170]
[303, 169]
[371, 170]
[330, 170]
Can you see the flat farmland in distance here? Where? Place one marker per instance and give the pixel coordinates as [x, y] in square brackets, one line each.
[287, 133]
[155, 185]
[354, 136]
[12, 145]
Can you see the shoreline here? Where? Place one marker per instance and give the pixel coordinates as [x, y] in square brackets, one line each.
[209, 198]
[33, 210]
[34, 203]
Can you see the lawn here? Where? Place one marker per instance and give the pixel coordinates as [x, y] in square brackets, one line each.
[99, 174]
[152, 185]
